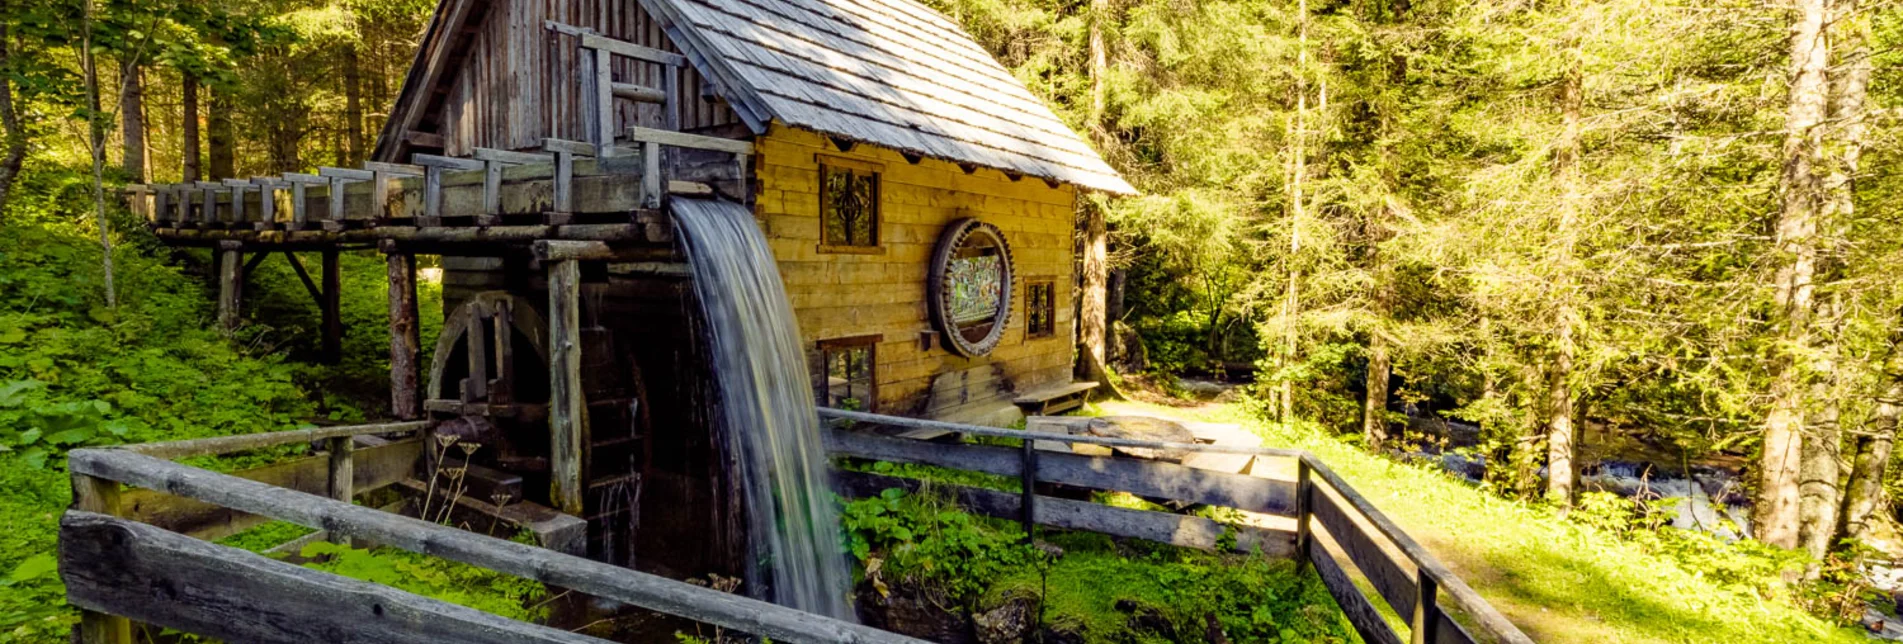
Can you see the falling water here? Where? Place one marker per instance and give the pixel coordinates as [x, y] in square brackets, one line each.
[767, 413]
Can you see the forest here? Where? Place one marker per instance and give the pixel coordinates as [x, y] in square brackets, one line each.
[1539, 236]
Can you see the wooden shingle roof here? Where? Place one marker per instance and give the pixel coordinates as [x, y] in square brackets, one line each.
[893, 73]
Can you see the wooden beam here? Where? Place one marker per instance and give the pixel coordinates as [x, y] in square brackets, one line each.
[685, 140]
[1361, 613]
[118, 566]
[227, 444]
[581, 575]
[1482, 614]
[552, 250]
[406, 379]
[627, 49]
[996, 432]
[567, 419]
[1161, 527]
[372, 468]
[230, 267]
[1136, 476]
[331, 307]
[310, 286]
[423, 139]
[638, 93]
[98, 497]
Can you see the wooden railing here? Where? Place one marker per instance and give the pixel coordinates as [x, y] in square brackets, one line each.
[118, 570]
[1329, 516]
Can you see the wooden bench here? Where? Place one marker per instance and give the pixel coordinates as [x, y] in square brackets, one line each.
[1055, 400]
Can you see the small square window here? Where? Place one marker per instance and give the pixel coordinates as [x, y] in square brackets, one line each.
[1040, 308]
[848, 205]
[845, 378]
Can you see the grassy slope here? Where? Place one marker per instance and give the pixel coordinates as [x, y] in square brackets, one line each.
[154, 369]
[1560, 581]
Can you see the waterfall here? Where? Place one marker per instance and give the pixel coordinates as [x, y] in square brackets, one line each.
[767, 413]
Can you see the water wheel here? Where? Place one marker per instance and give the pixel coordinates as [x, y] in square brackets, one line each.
[489, 384]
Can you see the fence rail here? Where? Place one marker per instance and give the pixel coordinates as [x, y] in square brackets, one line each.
[1408, 578]
[116, 567]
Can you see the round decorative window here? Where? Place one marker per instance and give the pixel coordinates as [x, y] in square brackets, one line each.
[970, 287]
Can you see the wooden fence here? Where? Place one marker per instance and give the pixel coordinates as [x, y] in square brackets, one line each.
[117, 567]
[1329, 516]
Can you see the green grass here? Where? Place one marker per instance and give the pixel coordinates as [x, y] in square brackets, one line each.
[1560, 581]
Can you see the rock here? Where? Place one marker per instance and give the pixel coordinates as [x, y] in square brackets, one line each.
[911, 611]
[1063, 632]
[1143, 428]
[1009, 623]
[1148, 619]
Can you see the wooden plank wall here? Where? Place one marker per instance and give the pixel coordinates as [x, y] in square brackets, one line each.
[840, 295]
[519, 84]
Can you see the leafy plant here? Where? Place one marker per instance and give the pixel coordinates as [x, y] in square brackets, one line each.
[457, 583]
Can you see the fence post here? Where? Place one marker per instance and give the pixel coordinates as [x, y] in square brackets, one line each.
[1027, 473]
[1304, 510]
[1426, 625]
[567, 411]
[102, 496]
[343, 472]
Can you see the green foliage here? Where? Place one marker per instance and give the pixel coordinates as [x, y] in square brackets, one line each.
[74, 373]
[457, 583]
[929, 541]
[266, 536]
[1092, 587]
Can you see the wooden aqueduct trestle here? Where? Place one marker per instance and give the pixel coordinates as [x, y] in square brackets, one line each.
[557, 240]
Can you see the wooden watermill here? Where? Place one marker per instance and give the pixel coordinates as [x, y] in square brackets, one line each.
[489, 387]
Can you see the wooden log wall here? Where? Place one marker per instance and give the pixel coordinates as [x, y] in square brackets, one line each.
[519, 83]
[883, 292]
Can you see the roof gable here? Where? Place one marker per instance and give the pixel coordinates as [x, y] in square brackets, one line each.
[890, 72]
[893, 73]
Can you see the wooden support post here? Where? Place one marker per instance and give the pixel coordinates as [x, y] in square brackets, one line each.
[1027, 476]
[332, 308]
[406, 399]
[493, 163]
[502, 392]
[1304, 509]
[340, 177]
[1425, 627]
[101, 496]
[342, 471]
[568, 425]
[564, 188]
[604, 99]
[476, 349]
[230, 273]
[268, 201]
[237, 187]
[381, 174]
[161, 204]
[208, 202]
[136, 201]
[300, 212]
[433, 168]
[652, 183]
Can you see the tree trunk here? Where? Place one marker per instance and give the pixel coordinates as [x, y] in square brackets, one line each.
[1566, 159]
[96, 135]
[1825, 508]
[12, 132]
[1291, 296]
[353, 106]
[1870, 458]
[1374, 408]
[132, 118]
[218, 122]
[1092, 323]
[1775, 513]
[1093, 319]
[190, 155]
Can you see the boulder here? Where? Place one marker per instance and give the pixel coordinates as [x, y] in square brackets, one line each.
[1143, 428]
[1009, 623]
